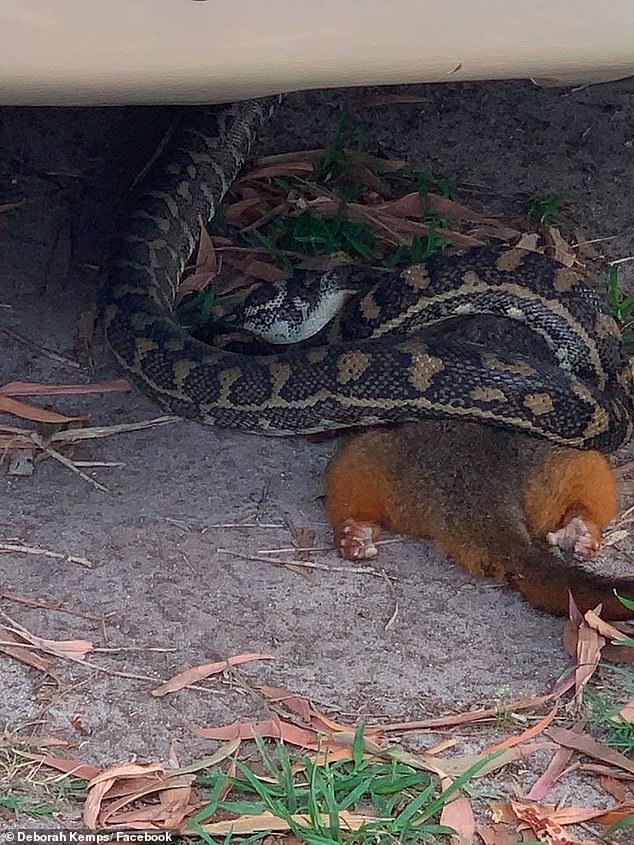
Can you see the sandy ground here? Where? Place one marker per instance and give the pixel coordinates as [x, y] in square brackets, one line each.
[163, 570]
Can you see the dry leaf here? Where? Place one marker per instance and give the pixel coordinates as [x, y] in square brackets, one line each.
[542, 825]
[529, 733]
[279, 168]
[68, 767]
[554, 771]
[626, 713]
[32, 412]
[458, 814]
[92, 805]
[413, 205]
[610, 632]
[264, 271]
[274, 728]
[614, 787]
[150, 817]
[251, 267]
[612, 653]
[615, 814]
[481, 713]
[28, 388]
[266, 821]
[392, 228]
[171, 789]
[205, 269]
[68, 649]
[235, 212]
[591, 748]
[498, 834]
[529, 241]
[199, 673]
[583, 244]
[100, 785]
[589, 646]
[379, 165]
[127, 770]
[378, 190]
[305, 710]
[558, 247]
[24, 655]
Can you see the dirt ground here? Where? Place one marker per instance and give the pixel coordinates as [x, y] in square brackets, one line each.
[163, 539]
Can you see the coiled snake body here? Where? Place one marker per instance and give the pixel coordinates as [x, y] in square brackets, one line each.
[374, 368]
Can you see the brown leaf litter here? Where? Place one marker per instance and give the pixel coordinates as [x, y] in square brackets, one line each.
[157, 796]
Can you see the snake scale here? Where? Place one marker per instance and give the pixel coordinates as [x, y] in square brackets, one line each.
[378, 369]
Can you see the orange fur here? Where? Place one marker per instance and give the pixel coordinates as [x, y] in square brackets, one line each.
[488, 499]
[357, 489]
[569, 484]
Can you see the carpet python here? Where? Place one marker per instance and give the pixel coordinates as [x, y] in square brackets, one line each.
[373, 365]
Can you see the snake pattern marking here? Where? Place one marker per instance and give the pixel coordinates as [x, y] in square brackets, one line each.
[374, 367]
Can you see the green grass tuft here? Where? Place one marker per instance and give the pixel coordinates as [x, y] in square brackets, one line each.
[622, 307]
[602, 707]
[402, 800]
[545, 208]
[24, 805]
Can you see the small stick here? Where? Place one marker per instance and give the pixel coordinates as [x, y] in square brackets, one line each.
[117, 649]
[39, 441]
[306, 564]
[392, 618]
[128, 675]
[99, 463]
[245, 525]
[296, 550]
[75, 434]
[54, 356]
[58, 607]
[290, 549]
[37, 550]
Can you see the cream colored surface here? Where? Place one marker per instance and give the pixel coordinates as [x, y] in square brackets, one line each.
[178, 51]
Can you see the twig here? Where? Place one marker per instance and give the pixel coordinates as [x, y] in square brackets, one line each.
[245, 525]
[99, 464]
[54, 356]
[322, 567]
[128, 675]
[116, 649]
[392, 618]
[185, 526]
[389, 542]
[295, 550]
[53, 453]
[37, 550]
[49, 605]
[75, 434]
[591, 241]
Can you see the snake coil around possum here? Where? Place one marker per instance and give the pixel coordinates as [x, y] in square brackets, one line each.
[379, 369]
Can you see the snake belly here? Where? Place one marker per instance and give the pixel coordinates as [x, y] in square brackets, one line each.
[375, 367]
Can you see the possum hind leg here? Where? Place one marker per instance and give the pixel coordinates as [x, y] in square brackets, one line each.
[356, 492]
